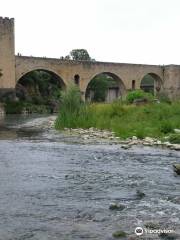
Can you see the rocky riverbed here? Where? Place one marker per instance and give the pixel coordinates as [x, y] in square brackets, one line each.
[63, 185]
[96, 135]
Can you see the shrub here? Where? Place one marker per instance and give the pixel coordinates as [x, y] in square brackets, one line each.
[166, 127]
[138, 94]
[13, 107]
[174, 138]
[163, 97]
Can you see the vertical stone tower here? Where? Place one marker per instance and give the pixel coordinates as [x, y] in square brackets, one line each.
[7, 54]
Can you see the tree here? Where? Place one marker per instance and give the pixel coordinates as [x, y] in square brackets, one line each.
[80, 55]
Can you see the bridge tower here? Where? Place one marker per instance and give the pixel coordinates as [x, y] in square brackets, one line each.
[7, 55]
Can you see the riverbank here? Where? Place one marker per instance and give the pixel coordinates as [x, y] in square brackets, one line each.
[97, 136]
[154, 123]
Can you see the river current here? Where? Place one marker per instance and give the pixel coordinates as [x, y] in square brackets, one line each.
[54, 186]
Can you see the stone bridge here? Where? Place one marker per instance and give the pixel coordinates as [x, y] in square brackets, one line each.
[68, 71]
[128, 76]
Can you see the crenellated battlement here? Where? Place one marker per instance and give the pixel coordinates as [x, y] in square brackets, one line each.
[6, 20]
[6, 24]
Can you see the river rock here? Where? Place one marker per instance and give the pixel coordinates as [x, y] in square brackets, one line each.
[147, 144]
[152, 225]
[119, 234]
[177, 130]
[125, 146]
[167, 144]
[115, 206]
[134, 138]
[133, 142]
[140, 194]
[177, 168]
[169, 236]
[149, 140]
[175, 147]
[158, 142]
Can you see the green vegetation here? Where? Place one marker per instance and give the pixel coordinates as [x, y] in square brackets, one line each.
[73, 110]
[78, 55]
[12, 107]
[126, 120]
[36, 92]
[139, 94]
[175, 138]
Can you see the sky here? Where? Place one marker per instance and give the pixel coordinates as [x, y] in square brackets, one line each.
[125, 31]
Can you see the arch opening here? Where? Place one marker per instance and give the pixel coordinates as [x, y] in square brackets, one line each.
[76, 79]
[40, 87]
[151, 83]
[133, 84]
[104, 87]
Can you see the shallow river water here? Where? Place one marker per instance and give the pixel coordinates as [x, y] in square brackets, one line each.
[54, 186]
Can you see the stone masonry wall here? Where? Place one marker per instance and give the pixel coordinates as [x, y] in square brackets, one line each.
[7, 54]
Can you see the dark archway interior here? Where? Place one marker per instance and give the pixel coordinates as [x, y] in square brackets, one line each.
[39, 87]
[76, 79]
[104, 87]
[151, 83]
[133, 84]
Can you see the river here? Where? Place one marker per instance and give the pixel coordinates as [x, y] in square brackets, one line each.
[54, 186]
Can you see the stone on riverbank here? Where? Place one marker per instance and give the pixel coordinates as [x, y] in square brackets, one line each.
[177, 168]
[119, 234]
[140, 194]
[115, 206]
[94, 134]
[175, 147]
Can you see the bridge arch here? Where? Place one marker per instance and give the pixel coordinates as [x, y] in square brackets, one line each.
[21, 74]
[151, 82]
[115, 87]
[39, 83]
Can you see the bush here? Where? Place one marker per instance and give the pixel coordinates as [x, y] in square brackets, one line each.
[13, 107]
[138, 94]
[174, 138]
[163, 97]
[166, 127]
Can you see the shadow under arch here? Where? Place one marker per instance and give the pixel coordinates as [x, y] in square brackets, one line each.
[107, 84]
[39, 86]
[151, 82]
[41, 69]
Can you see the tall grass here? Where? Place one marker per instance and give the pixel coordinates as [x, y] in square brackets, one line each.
[153, 120]
[73, 111]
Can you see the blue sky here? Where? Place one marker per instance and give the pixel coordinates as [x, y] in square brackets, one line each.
[132, 31]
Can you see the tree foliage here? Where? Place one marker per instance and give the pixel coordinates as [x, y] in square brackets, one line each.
[80, 55]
